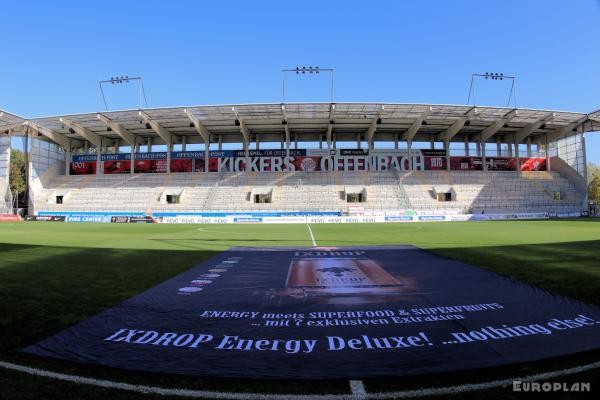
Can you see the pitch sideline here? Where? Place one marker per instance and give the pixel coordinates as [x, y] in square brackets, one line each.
[312, 236]
[446, 390]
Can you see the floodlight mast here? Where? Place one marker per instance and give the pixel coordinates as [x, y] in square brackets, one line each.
[303, 70]
[495, 76]
[124, 79]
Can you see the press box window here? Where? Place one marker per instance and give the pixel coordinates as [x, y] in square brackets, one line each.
[444, 196]
[444, 193]
[262, 198]
[354, 198]
[173, 199]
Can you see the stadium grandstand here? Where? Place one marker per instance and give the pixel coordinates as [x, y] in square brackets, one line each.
[283, 160]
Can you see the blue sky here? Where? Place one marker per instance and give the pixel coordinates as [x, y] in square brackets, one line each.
[191, 52]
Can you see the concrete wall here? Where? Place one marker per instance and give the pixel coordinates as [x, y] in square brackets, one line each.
[46, 161]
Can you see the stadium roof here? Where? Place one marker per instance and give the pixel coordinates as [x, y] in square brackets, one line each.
[8, 120]
[307, 122]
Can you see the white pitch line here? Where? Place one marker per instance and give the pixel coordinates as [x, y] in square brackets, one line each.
[312, 236]
[358, 388]
[471, 387]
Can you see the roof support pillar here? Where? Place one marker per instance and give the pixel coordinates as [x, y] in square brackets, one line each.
[370, 136]
[56, 137]
[466, 139]
[207, 155]
[287, 140]
[87, 134]
[453, 129]
[330, 139]
[410, 160]
[498, 147]
[518, 161]
[99, 162]
[414, 127]
[524, 132]
[169, 151]
[547, 147]
[132, 159]
[120, 130]
[164, 134]
[204, 134]
[483, 158]
[68, 161]
[447, 150]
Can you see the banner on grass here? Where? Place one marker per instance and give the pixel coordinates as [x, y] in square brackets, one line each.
[329, 312]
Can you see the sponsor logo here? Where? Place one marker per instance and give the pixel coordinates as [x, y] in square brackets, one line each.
[201, 282]
[247, 220]
[9, 218]
[399, 218]
[308, 165]
[209, 276]
[432, 217]
[189, 289]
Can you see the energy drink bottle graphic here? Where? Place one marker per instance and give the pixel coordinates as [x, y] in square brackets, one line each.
[334, 277]
[340, 275]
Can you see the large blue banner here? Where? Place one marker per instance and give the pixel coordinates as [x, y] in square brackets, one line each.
[330, 313]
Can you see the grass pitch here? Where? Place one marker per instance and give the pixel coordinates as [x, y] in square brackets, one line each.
[53, 275]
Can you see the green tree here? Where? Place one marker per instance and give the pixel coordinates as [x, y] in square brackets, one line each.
[17, 173]
[593, 170]
[594, 189]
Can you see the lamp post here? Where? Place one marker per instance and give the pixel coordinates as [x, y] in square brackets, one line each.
[495, 76]
[307, 70]
[120, 80]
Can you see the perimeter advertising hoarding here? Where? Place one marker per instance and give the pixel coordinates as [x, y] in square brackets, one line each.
[83, 168]
[497, 164]
[257, 218]
[76, 216]
[9, 218]
[46, 218]
[306, 313]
